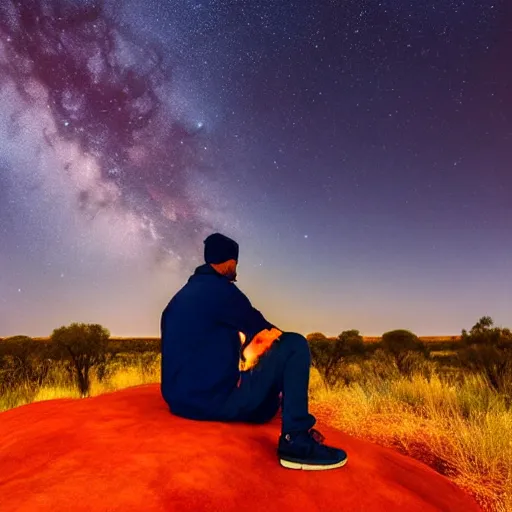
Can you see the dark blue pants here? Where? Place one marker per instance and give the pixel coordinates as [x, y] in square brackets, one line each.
[283, 369]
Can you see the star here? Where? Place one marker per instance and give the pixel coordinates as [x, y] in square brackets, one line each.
[133, 132]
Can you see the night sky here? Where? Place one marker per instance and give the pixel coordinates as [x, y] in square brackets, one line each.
[359, 151]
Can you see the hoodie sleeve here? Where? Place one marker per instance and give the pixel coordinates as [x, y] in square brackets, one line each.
[239, 313]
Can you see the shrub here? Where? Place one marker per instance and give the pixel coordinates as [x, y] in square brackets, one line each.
[382, 366]
[327, 355]
[400, 341]
[488, 350]
[23, 361]
[83, 347]
[408, 351]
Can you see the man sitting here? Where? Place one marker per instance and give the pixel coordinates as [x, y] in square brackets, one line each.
[201, 349]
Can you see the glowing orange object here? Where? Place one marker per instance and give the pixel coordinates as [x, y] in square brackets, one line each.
[258, 346]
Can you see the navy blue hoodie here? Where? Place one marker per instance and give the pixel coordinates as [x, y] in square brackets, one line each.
[201, 344]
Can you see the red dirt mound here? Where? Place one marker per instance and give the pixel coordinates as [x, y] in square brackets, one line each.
[125, 452]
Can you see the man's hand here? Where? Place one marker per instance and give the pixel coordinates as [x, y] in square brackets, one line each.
[258, 346]
[267, 336]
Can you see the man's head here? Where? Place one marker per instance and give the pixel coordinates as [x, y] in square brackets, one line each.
[222, 254]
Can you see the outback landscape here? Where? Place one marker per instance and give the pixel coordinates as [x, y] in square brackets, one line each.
[356, 156]
[445, 401]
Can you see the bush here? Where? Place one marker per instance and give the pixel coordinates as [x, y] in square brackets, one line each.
[23, 361]
[400, 341]
[409, 353]
[488, 350]
[416, 363]
[327, 355]
[382, 366]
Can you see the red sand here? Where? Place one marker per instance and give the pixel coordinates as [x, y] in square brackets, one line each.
[125, 452]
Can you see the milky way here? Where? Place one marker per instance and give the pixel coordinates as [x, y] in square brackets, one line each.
[360, 152]
[94, 97]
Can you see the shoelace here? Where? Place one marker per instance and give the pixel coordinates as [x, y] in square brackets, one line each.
[317, 436]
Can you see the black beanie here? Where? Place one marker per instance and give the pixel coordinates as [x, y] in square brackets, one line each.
[219, 248]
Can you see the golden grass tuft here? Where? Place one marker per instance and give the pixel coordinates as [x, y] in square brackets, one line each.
[121, 379]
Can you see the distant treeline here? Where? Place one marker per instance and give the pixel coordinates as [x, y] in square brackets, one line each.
[130, 344]
[485, 349]
[82, 348]
[77, 348]
[114, 344]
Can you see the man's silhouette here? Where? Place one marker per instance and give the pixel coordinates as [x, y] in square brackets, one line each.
[201, 351]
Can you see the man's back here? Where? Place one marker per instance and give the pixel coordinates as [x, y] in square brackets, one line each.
[200, 358]
[201, 344]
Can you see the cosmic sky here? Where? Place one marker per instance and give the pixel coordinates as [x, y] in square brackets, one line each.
[359, 151]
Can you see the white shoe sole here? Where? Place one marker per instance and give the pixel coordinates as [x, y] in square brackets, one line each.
[311, 467]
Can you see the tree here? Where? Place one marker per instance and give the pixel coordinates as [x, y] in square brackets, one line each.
[327, 355]
[83, 347]
[316, 336]
[488, 349]
[406, 348]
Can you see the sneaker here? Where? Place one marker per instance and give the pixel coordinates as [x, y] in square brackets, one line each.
[304, 450]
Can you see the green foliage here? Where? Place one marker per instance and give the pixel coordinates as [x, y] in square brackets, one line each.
[83, 347]
[488, 350]
[328, 355]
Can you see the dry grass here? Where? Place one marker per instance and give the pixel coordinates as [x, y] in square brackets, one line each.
[464, 431]
[122, 379]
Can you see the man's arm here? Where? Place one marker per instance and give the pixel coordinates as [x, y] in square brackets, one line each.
[252, 351]
[259, 333]
[239, 313]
